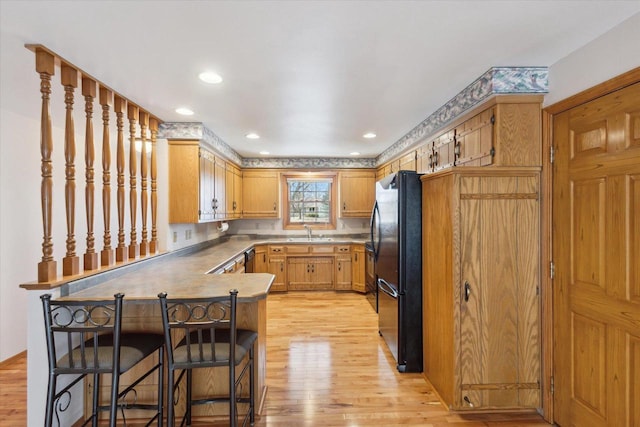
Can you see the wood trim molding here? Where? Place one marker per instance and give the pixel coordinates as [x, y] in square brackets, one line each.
[604, 88]
[7, 362]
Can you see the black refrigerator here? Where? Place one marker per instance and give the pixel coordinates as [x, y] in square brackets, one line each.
[396, 234]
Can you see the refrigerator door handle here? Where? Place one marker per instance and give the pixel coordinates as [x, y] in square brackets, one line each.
[375, 222]
[387, 288]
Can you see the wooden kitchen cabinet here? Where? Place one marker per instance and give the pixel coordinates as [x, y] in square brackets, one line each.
[357, 193]
[260, 260]
[358, 273]
[408, 162]
[196, 183]
[343, 269]
[481, 263]
[260, 194]
[233, 191]
[277, 265]
[310, 273]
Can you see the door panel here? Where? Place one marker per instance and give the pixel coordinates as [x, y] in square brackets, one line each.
[595, 245]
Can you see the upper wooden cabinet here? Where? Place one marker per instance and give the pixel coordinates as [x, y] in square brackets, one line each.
[234, 191]
[260, 193]
[357, 193]
[407, 162]
[196, 183]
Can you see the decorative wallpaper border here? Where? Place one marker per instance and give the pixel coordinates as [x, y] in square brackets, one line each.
[497, 80]
[309, 163]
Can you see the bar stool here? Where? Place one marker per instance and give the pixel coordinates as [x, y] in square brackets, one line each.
[208, 337]
[90, 333]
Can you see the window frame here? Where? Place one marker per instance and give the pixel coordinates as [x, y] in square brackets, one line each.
[287, 224]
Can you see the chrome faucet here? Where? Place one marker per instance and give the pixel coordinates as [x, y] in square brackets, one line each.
[308, 227]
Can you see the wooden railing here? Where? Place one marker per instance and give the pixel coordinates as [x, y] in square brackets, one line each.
[141, 123]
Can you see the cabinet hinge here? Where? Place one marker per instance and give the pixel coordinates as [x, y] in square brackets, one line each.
[552, 386]
[552, 154]
[493, 119]
[492, 151]
[552, 270]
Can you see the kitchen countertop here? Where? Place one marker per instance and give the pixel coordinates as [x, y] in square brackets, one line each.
[183, 272]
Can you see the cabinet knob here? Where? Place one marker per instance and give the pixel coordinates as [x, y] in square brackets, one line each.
[467, 401]
[339, 266]
[344, 206]
[274, 206]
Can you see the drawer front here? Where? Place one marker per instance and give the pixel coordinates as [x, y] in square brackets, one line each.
[276, 250]
[342, 249]
[322, 249]
[298, 249]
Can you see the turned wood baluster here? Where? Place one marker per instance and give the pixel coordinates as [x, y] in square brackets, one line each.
[107, 253]
[153, 245]
[89, 92]
[71, 262]
[119, 106]
[144, 124]
[45, 66]
[133, 194]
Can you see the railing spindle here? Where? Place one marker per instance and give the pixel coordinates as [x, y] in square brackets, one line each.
[107, 253]
[71, 262]
[133, 194]
[89, 93]
[119, 106]
[144, 124]
[45, 66]
[153, 245]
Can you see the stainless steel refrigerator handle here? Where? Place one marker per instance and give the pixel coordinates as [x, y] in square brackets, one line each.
[374, 215]
[382, 284]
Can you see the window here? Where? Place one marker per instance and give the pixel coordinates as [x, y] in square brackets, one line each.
[310, 200]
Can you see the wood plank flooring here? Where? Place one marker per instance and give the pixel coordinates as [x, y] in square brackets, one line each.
[326, 366]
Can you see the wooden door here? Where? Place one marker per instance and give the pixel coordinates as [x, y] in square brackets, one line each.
[499, 307]
[298, 273]
[322, 272]
[596, 247]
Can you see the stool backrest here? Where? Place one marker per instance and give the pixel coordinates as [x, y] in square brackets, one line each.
[77, 327]
[200, 326]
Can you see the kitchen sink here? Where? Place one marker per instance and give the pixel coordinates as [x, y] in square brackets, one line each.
[312, 239]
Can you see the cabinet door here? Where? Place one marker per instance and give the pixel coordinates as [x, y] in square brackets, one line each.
[343, 272]
[229, 191]
[261, 265]
[207, 189]
[219, 190]
[260, 194]
[443, 151]
[474, 140]
[499, 320]
[358, 268]
[299, 273]
[357, 193]
[237, 193]
[184, 182]
[322, 272]
[408, 162]
[278, 269]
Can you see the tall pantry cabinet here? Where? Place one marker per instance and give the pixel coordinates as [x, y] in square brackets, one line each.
[481, 272]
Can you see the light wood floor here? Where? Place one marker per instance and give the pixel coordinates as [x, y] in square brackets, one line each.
[326, 366]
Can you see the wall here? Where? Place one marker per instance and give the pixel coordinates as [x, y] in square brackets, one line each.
[274, 226]
[612, 54]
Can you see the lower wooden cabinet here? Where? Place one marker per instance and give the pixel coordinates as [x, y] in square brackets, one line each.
[481, 275]
[310, 273]
[278, 267]
[343, 272]
[357, 268]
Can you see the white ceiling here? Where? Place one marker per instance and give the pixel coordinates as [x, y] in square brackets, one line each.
[309, 76]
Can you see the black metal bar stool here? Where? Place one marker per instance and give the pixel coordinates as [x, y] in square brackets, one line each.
[208, 337]
[89, 333]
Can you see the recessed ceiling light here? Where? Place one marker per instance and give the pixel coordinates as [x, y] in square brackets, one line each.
[355, 153]
[184, 111]
[369, 135]
[210, 77]
[264, 152]
[252, 135]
